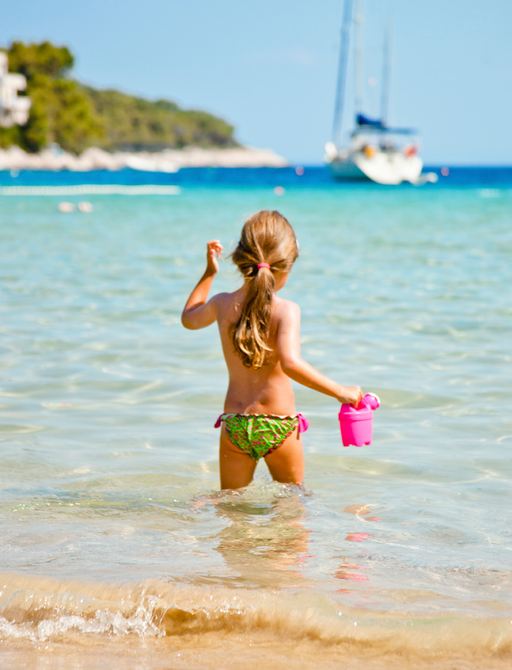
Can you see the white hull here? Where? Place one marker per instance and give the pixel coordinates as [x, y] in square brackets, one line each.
[383, 167]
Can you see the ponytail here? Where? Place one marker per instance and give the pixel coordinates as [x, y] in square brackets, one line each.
[250, 332]
[267, 245]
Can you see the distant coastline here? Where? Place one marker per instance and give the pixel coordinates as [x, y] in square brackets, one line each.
[167, 160]
[71, 126]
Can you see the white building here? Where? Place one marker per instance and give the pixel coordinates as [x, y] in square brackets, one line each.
[13, 109]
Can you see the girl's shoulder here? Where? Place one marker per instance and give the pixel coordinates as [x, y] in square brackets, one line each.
[220, 297]
[225, 302]
[224, 298]
[285, 309]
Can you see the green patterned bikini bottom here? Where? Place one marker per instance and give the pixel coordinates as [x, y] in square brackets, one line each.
[258, 435]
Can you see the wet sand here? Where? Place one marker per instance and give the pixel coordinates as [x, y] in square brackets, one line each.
[232, 652]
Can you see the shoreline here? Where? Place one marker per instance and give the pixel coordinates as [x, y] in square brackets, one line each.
[161, 618]
[168, 160]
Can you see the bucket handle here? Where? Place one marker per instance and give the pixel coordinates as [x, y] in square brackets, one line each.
[369, 401]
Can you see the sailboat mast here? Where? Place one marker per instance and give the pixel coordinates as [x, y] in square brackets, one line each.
[342, 73]
[386, 69]
[358, 56]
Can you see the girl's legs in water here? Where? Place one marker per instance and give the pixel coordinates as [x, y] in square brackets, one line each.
[236, 468]
[286, 463]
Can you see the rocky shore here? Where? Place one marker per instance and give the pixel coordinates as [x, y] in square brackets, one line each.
[169, 160]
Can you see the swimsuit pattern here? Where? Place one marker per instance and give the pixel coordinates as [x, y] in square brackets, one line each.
[258, 435]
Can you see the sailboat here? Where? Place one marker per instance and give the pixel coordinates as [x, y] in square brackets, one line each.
[376, 151]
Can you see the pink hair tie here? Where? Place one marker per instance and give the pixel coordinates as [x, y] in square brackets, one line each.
[263, 265]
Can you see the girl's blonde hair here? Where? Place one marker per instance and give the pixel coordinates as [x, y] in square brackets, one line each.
[266, 238]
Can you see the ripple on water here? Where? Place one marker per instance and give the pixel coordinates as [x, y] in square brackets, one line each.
[98, 368]
[7, 429]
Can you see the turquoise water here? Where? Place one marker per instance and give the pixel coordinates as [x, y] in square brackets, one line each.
[109, 463]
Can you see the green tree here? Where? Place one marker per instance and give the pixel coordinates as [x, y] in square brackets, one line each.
[44, 58]
[60, 112]
[76, 117]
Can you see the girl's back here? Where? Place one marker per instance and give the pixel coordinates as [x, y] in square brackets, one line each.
[264, 390]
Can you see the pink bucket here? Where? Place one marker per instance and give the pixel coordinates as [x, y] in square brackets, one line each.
[356, 423]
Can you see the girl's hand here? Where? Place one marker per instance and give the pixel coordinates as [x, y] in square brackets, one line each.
[352, 395]
[213, 250]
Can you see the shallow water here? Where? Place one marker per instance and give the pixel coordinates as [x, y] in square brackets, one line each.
[110, 514]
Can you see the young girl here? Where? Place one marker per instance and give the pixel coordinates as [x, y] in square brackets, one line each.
[260, 334]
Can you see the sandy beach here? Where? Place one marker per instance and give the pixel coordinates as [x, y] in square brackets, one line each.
[169, 160]
[210, 651]
[152, 624]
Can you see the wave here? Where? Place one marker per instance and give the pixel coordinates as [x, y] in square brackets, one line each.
[89, 189]
[41, 609]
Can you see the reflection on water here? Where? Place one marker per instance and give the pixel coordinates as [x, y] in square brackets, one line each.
[352, 571]
[265, 544]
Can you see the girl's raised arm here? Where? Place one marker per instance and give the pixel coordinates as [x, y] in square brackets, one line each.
[198, 313]
[293, 365]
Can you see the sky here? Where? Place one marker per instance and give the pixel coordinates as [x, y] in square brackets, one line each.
[269, 67]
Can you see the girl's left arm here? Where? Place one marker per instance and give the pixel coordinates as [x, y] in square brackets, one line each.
[198, 313]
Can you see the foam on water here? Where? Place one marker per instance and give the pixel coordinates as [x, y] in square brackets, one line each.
[88, 189]
[40, 610]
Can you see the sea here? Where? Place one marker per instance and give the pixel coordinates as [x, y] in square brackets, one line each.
[117, 547]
